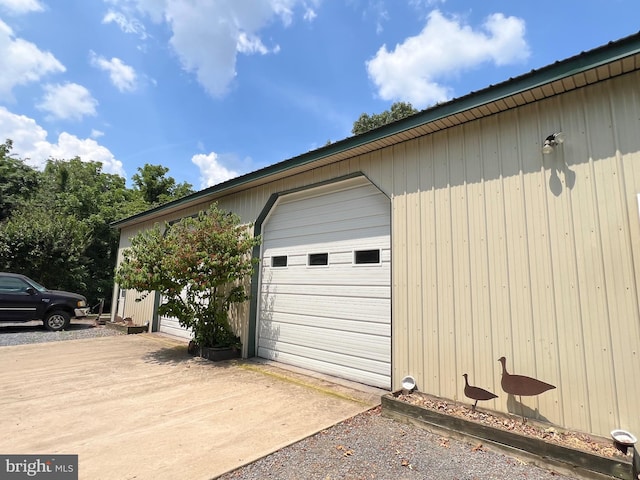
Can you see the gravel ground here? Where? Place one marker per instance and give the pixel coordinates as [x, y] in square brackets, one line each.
[370, 446]
[367, 446]
[34, 332]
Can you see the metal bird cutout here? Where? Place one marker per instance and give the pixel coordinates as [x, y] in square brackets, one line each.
[476, 393]
[521, 385]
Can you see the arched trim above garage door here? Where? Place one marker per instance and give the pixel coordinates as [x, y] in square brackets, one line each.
[324, 298]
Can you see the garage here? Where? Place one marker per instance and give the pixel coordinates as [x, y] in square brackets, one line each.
[325, 293]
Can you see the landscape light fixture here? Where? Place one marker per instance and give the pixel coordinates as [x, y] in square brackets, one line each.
[551, 141]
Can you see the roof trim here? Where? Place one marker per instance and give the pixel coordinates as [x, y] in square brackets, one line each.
[536, 78]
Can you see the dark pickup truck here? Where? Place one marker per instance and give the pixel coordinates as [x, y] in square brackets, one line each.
[24, 300]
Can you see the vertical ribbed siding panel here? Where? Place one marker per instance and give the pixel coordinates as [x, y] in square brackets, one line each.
[416, 325]
[444, 280]
[427, 254]
[574, 330]
[461, 309]
[539, 356]
[401, 341]
[479, 362]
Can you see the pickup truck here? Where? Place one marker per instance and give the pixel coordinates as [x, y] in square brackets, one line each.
[24, 300]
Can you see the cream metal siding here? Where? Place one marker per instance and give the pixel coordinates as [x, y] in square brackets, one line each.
[499, 250]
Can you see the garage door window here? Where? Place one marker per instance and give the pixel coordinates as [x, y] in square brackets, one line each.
[318, 259]
[279, 261]
[366, 257]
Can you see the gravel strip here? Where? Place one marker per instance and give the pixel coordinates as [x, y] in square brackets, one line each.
[369, 446]
[34, 332]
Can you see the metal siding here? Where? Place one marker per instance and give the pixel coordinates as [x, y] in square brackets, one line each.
[529, 256]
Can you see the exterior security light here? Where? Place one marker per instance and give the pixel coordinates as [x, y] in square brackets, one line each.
[551, 141]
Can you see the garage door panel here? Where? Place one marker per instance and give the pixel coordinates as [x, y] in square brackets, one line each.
[372, 310]
[325, 237]
[312, 224]
[337, 275]
[358, 198]
[364, 327]
[346, 357]
[369, 291]
[351, 347]
[364, 375]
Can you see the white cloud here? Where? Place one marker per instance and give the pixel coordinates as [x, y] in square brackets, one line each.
[68, 101]
[122, 76]
[414, 70]
[309, 14]
[126, 24]
[21, 62]
[96, 133]
[18, 7]
[30, 142]
[207, 36]
[251, 44]
[212, 171]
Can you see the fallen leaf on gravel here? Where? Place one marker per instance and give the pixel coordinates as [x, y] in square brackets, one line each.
[444, 443]
[478, 448]
[348, 453]
[405, 463]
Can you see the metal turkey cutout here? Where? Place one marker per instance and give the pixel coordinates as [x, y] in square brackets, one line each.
[521, 385]
[476, 393]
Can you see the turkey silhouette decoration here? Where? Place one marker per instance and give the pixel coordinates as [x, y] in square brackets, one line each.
[476, 393]
[520, 385]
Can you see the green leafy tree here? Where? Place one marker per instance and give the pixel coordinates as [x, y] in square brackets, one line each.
[199, 265]
[46, 247]
[18, 182]
[368, 122]
[156, 188]
[82, 191]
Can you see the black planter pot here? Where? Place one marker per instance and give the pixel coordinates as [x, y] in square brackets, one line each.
[216, 354]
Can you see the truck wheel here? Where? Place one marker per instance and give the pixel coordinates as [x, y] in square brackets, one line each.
[57, 320]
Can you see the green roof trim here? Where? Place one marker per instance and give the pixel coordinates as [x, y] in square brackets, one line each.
[561, 69]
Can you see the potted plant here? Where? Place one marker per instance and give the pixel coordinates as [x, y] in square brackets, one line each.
[200, 266]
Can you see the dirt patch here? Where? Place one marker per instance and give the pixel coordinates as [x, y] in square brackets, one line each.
[548, 433]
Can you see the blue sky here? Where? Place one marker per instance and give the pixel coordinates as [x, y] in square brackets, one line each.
[216, 88]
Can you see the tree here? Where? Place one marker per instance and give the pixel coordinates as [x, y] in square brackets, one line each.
[199, 266]
[18, 182]
[156, 188]
[47, 247]
[368, 122]
[82, 191]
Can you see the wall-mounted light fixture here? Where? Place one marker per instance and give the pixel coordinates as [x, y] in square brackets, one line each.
[551, 141]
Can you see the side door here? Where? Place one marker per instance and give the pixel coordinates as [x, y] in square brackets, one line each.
[17, 302]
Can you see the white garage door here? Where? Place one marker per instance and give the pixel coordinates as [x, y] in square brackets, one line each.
[171, 326]
[325, 298]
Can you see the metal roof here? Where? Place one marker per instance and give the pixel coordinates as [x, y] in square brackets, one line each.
[608, 61]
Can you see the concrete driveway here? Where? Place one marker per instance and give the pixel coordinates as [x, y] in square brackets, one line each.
[138, 406]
